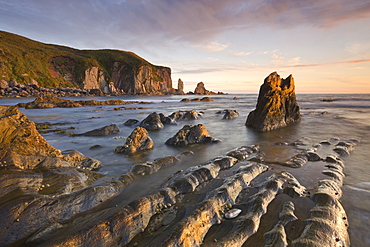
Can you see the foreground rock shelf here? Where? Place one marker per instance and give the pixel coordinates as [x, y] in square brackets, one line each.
[57, 199]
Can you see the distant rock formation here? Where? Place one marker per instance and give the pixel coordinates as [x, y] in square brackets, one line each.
[107, 71]
[201, 90]
[276, 105]
[180, 87]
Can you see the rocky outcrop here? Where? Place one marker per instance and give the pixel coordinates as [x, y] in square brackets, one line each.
[276, 105]
[52, 102]
[191, 134]
[201, 90]
[180, 87]
[21, 145]
[138, 140]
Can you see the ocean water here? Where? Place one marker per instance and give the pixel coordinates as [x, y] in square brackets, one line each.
[346, 117]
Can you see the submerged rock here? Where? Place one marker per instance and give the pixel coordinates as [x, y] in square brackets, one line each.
[191, 134]
[276, 105]
[230, 114]
[103, 131]
[130, 122]
[138, 140]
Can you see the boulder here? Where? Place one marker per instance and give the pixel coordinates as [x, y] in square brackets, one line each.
[3, 84]
[230, 114]
[185, 115]
[191, 134]
[131, 122]
[276, 105]
[103, 131]
[152, 122]
[137, 141]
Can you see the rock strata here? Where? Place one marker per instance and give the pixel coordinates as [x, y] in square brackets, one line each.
[138, 140]
[191, 134]
[276, 105]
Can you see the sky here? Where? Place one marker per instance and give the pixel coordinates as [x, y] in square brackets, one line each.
[229, 45]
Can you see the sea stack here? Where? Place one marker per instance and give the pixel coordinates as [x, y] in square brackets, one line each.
[276, 106]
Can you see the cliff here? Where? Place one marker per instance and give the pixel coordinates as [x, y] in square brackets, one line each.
[112, 71]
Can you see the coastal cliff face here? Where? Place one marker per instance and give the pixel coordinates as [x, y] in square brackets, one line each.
[276, 105]
[109, 71]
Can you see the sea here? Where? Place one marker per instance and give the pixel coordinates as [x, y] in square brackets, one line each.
[346, 116]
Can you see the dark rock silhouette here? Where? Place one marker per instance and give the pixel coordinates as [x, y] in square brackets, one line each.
[276, 105]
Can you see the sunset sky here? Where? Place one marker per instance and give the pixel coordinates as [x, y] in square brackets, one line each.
[229, 45]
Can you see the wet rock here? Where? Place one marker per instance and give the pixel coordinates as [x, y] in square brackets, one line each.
[185, 100]
[243, 152]
[185, 115]
[230, 114]
[138, 140]
[276, 105]
[277, 236]
[103, 131]
[191, 134]
[77, 159]
[150, 167]
[96, 146]
[130, 122]
[152, 122]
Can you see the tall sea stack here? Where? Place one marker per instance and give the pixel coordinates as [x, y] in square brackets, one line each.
[276, 105]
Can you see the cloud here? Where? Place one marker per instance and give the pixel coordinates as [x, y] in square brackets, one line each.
[277, 60]
[294, 61]
[214, 46]
[241, 53]
[327, 64]
[135, 22]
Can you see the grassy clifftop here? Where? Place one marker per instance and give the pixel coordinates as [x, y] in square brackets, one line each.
[24, 60]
